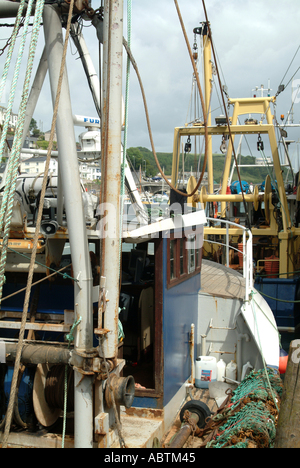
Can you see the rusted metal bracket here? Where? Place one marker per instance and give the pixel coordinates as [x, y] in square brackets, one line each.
[101, 331]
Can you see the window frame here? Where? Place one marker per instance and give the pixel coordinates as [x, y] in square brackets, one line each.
[182, 274]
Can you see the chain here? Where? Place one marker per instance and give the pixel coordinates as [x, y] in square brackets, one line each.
[10, 39]
[187, 418]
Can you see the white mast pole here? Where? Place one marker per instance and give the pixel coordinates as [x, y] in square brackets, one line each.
[68, 163]
[111, 167]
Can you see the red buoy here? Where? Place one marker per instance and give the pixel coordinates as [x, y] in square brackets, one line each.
[283, 360]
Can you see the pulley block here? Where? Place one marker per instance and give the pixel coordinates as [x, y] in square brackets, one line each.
[260, 144]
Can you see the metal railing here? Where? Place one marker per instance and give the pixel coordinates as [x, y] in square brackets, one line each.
[247, 252]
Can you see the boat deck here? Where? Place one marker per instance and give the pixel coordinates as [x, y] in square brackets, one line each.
[218, 280]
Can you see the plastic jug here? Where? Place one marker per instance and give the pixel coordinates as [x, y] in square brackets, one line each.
[231, 370]
[206, 371]
[221, 366]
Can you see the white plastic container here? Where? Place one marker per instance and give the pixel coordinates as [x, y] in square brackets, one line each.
[231, 371]
[206, 371]
[221, 367]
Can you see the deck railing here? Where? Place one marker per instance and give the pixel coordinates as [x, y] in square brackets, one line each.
[247, 252]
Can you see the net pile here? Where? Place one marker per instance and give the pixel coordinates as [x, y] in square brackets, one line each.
[249, 419]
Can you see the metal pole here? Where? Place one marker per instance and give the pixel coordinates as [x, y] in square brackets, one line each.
[111, 151]
[244, 255]
[32, 100]
[37, 353]
[35, 92]
[208, 90]
[227, 246]
[185, 431]
[88, 65]
[68, 163]
[10, 9]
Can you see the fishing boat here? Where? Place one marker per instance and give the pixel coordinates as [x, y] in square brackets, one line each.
[102, 316]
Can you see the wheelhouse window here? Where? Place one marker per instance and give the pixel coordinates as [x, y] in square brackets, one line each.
[172, 259]
[184, 259]
[190, 243]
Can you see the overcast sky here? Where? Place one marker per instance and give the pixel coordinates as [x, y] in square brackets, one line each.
[255, 42]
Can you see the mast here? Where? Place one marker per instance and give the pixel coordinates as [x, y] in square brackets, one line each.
[76, 227]
[111, 168]
[207, 91]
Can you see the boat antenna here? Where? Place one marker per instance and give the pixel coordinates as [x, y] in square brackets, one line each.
[226, 114]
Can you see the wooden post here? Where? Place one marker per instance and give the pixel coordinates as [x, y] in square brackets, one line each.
[288, 428]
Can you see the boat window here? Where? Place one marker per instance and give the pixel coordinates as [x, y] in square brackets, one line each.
[172, 259]
[191, 254]
[238, 209]
[182, 269]
[150, 248]
[127, 247]
[198, 257]
[184, 259]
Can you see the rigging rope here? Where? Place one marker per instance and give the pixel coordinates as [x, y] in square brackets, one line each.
[134, 64]
[8, 196]
[274, 184]
[11, 47]
[281, 86]
[279, 300]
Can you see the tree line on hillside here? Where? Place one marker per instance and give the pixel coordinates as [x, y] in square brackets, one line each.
[143, 157]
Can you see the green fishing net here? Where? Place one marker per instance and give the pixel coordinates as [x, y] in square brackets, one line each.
[249, 420]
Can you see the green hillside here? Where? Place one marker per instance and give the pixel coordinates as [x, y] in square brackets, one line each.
[144, 157]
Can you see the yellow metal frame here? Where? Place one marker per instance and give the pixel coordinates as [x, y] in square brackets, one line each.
[247, 106]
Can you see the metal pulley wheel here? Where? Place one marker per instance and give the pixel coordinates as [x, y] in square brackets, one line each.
[45, 414]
